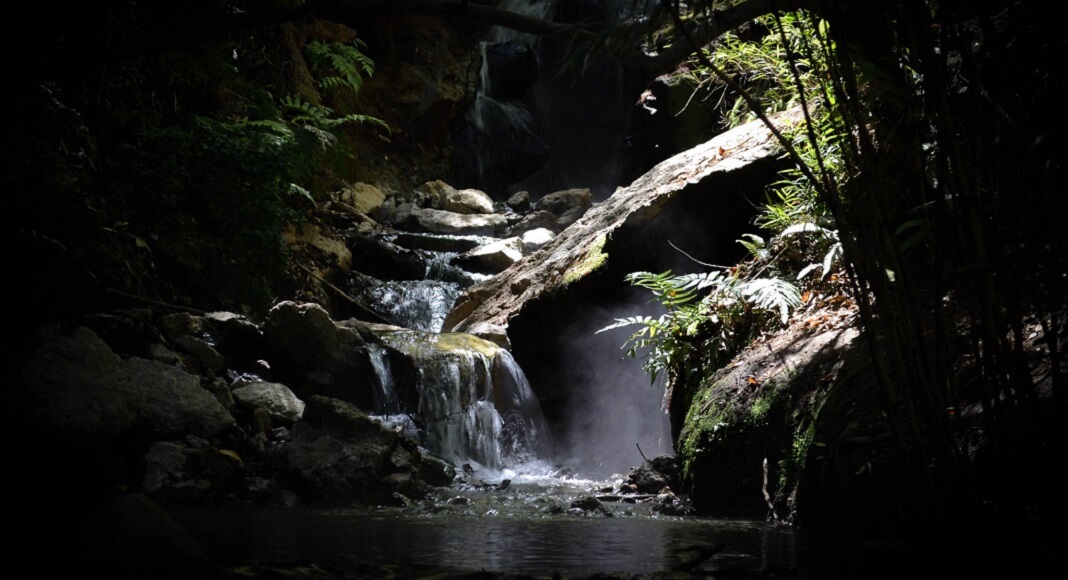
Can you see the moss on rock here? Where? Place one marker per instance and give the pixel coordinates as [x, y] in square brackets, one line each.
[765, 406]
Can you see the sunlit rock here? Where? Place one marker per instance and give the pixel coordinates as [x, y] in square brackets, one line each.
[493, 257]
[364, 197]
[494, 333]
[467, 201]
[447, 222]
[535, 239]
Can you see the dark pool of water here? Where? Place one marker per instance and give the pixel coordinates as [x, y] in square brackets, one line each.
[568, 544]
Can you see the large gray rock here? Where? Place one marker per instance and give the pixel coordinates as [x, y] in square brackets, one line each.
[467, 201]
[560, 202]
[79, 390]
[364, 197]
[438, 221]
[174, 403]
[75, 388]
[339, 456]
[280, 402]
[312, 354]
[493, 257]
[305, 334]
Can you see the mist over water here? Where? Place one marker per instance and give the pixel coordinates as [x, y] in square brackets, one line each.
[613, 408]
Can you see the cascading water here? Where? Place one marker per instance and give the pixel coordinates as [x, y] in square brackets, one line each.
[463, 398]
[502, 135]
[540, 125]
[469, 399]
[422, 304]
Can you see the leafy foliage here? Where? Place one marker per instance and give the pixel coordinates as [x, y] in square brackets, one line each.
[759, 58]
[180, 168]
[827, 243]
[715, 310]
[206, 204]
[340, 66]
[320, 119]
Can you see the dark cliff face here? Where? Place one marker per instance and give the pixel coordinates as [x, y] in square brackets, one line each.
[425, 82]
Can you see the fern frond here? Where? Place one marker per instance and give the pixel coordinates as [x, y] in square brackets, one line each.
[700, 281]
[340, 66]
[805, 228]
[629, 321]
[773, 294]
[363, 120]
[756, 246]
[835, 254]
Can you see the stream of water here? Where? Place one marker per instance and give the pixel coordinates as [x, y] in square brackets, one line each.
[526, 529]
[513, 511]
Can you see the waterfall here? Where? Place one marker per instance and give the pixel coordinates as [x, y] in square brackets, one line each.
[502, 135]
[469, 399]
[420, 304]
[564, 127]
[415, 304]
[384, 398]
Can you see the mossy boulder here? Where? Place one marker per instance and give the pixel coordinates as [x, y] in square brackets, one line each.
[753, 427]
